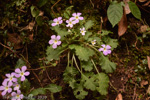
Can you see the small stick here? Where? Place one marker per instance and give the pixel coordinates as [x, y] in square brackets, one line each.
[53, 7]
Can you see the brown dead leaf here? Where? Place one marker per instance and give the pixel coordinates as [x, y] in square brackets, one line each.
[143, 28]
[122, 25]
[126, 7]
[15, 39]
[41, 13]
[147, 4]
[143, 82]
[142, 0]
[148, 90]
[28, 27]
[148, 61]
[119, 97]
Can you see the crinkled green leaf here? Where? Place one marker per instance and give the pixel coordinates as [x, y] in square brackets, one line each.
[114, 13]
[88, 66]
[134, 10]
[70, 73]
[38, 91]
[105, 32]
[112, 42]
[88, 79]
[87, 34]
[107, 65]
[26, 86]
[84, 53]
[89, 24]
[53, 54]
[53, 88]
[80, 93]
[103, 83]
[59, 31]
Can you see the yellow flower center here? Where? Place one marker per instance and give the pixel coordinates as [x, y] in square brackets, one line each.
[55, 41]
[6, 88]
[21, 73]
[17, 95]
[105, 49]
[77, 17]
[70, 22]
[11, 78]
[57, 22]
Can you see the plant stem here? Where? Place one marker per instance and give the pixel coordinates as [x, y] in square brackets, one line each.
[52, 96]
[68, 58]
[95, 66]
[76, 64]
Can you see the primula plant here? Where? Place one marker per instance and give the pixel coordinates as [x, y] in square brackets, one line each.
[87, 51]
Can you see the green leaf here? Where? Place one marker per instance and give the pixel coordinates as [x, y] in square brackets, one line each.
[26, 86]
[70, 73]
[38, 91]
[107, 65]
[88, 79]
[87, 34]
[53, 54]
[88, 66]
[42, 3]
[103, 83]
[59, 31]
[80, 93]
[89, 24]
[105, 32]
[20, 63]
[39, 20]
[134, 10]
[53, 88]
[34, 11]
[114, 13]
[83, 53]
[112, 42]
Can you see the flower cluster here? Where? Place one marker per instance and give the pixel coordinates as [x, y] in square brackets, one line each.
[10, 84]
[76, 17]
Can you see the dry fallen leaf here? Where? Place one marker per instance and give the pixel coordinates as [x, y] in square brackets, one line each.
[148, 61]
[142, 0]
[31, 37]
[28, 27]
[147, 4]
[148, 90]
[122, 25]
[143, 28]
[143, 82]
[126, 7]
[119, 97]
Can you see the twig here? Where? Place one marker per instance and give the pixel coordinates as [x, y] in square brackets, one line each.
[9, 49]
[53, 7]
[37, 78]
[113, 87]
[92, 3]
[48, 76]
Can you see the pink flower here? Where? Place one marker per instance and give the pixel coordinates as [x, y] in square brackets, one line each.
[82, 31]
[57, 21]
[21, 73]
[5, 87]
[17, 96]
[11, 78]
[70, 23]
[106, 49]
[55, 41]
[76, 17]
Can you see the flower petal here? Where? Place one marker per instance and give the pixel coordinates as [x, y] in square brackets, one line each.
[55, 20]
[101, 49]
[53, 37]
[51, 41]
[108, 47]
[22, 78]
[4, 93]
[54, 46]
[109, 51]
[54, 24]
[26, 73]
[14, 79]
[105, 52]
[78, 14]
[58, 37]
[59, 18]
[59, 42]
[17, 70]
[24, 68]
[17, 75]
[60, 21]
[10, 83]
[74, 14]
[9, 90]
[7, 75]
[13, 94]
[4, 83]
[81, 18]
[2, 87]
[103, 45]
[72, 18]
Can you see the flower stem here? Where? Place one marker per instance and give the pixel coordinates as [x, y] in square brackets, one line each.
[76, 64]
[95, 66]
